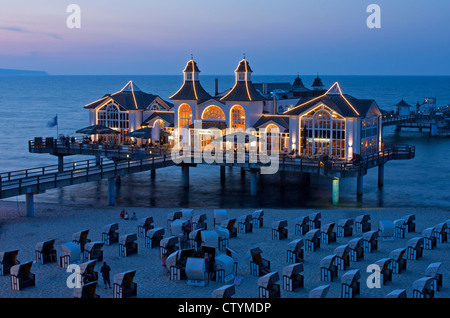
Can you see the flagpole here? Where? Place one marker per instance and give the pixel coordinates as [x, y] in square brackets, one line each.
[57, 126]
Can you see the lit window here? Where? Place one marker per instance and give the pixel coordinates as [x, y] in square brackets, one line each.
[213, 113]
[237, 118]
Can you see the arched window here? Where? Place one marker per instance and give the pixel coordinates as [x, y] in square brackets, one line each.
[237, 121]
[323, 133]
[213, 113]
[272, 132]
[111, 116]
[184, 116]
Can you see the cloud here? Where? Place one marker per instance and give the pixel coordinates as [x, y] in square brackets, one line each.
[25, 31]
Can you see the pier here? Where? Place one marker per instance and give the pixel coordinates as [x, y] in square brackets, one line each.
[33, 181]
[437, 125]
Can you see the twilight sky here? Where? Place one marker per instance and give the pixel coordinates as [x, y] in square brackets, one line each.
[157, 37]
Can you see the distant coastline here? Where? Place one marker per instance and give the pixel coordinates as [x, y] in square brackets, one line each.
[11, 72]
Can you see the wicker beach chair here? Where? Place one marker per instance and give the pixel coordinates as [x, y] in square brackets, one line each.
[87, 272]
[293, 278]
[219, 216]
[86, 291]
[400, 228]
[386, 229]
[258, 219]
[370, 241]
[312, 240]
[196, 273]
[397, 293]
[128, 244]
[344, 228]
[153, 237]
[363, 223]
[422, 288]
[314, 221]
[350, 285]
[69, 253]
[172, 216]
[327, 234]
[199, 222]
[144, 225]
[229, 224]
[259, 266]
[7, 260]
[294, 253]
[385, 270]
[356, 249]
[301, 225]
[245, 224]
[93, 251]
[168, 245]
[280, 230]
[398, 263]
[429, 240]
[433, 271]
[224, 237]
[110, 233]
[81, 239]
[268, 287]
[45, 252]
[319, 292]
[342, 260]
[225, 269]
[123, 285]
[21, 276]
[415, 248]
[328, 269]
[410, 222]
[225, 291]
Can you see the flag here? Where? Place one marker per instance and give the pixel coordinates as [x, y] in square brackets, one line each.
[53, 122]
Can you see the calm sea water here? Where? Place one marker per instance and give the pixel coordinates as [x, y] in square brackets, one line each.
[28, 103]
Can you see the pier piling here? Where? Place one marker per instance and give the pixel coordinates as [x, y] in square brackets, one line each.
[335, 191]
[185, 172]
[30, 204]
[60, 163]
[111, 191]
[222, 174]
[253, 182]
[380, 175]
[153, 174]
[359, 186]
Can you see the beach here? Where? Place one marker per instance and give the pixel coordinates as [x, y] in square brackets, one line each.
[60, 221]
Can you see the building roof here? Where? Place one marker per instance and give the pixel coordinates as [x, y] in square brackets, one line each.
[243, 91]
[130, 97]
[191, 66]
[402, 103]
[167, 116]
[243, 66]
[281, 120]
[191, 88]
[317, 82]
[344, 104]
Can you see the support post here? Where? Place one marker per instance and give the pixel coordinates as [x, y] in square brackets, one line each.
[29, 197]
[153, 174]
[335, 191]
[380, 175]
[359, 186]
[97, 160]
[222, 174]
[60, 163]
[242, 172]
[185, 172]
[253, 182]
[111, 191]
[433, 130]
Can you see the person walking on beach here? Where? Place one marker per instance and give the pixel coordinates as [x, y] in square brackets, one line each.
[105, 274]
[134, 217]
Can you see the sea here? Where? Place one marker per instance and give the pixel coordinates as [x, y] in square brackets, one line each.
[27, 103]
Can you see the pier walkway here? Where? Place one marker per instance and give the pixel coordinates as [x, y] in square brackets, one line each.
[37, 180]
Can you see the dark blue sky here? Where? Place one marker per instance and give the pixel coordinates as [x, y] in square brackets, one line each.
[278, 37]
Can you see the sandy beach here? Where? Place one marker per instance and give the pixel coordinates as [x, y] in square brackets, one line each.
[59, 222]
